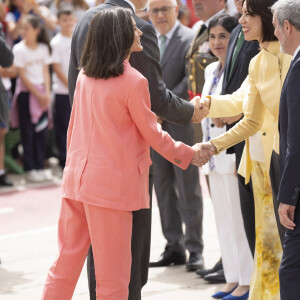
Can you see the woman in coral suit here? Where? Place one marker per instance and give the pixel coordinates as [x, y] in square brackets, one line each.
[108, 157]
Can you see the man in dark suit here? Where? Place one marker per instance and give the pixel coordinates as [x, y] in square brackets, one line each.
[178, 192]
[286, 20]
[163, 102]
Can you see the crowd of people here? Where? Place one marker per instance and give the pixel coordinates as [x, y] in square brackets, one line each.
[204, 83]
[39, 36]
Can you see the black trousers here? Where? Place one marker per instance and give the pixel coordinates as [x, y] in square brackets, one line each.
[62, 112]
[289, 271]
[247, 201]
[140, 251]
[275, 181]
[34, 143]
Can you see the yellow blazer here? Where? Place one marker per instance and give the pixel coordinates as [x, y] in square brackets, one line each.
[258, 99]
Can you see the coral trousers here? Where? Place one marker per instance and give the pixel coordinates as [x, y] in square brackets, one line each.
[109, 232]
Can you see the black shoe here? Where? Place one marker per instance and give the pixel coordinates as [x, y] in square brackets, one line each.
[168, 258]
[217, 277]
[218, 266]
[4, 181]
[195, 262]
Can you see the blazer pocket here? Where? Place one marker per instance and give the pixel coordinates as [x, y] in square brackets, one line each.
[144, 161]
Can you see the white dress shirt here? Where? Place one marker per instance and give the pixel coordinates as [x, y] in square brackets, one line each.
[296, 52]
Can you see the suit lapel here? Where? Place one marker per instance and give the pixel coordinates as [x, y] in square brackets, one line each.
[291, 66]
[283, 90]
[229, 56]
[171, 46]
[296, 58]
[229, 74]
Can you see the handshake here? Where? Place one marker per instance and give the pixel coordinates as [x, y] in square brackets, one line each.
[202, 153]
[201, 109]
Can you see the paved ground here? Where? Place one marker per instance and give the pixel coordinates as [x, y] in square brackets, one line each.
[28, 245]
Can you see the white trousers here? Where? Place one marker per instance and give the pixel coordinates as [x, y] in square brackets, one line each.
[236, 255]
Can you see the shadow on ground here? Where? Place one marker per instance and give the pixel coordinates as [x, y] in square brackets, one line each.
[9, 281]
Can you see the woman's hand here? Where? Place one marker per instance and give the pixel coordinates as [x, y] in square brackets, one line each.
[202, 153]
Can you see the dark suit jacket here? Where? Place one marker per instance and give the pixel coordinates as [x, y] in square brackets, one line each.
[173, 61]
[289, 126]
[163, 102]
[233, 81]
[175, 76]
[6, 60]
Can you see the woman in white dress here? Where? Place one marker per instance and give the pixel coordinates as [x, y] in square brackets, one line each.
[236, 255]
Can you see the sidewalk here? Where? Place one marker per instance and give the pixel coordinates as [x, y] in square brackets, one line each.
[28, 246]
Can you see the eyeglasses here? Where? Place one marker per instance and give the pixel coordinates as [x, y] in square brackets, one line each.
[164, 10]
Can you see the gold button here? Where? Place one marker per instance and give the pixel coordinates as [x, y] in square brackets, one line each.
[191, 77]
[178, 161]
[204, 61]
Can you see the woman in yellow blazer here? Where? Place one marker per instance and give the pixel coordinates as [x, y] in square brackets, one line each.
[108, 157]
[258, 99]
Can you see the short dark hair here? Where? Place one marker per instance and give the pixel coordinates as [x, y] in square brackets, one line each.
[66, 12]
[224, 20]
[262, 8]
[110, 38]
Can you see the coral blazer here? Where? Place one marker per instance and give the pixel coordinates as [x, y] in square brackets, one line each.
[108, 143]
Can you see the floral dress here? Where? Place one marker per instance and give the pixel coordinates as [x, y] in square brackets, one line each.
[268, 250]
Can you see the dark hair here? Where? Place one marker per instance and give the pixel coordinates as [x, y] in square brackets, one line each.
[224, 20]
[109, 40]
[42, 36]
[262, 8]
[66, 12]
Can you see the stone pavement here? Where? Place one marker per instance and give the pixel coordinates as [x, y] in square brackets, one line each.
[28, 245]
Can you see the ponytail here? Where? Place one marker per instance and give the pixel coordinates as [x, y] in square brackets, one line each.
[42, 36]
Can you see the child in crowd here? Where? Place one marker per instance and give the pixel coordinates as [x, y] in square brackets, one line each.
[32, 96]
[77, 6]
[18, 9]
[6, 59]
[61, 49]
